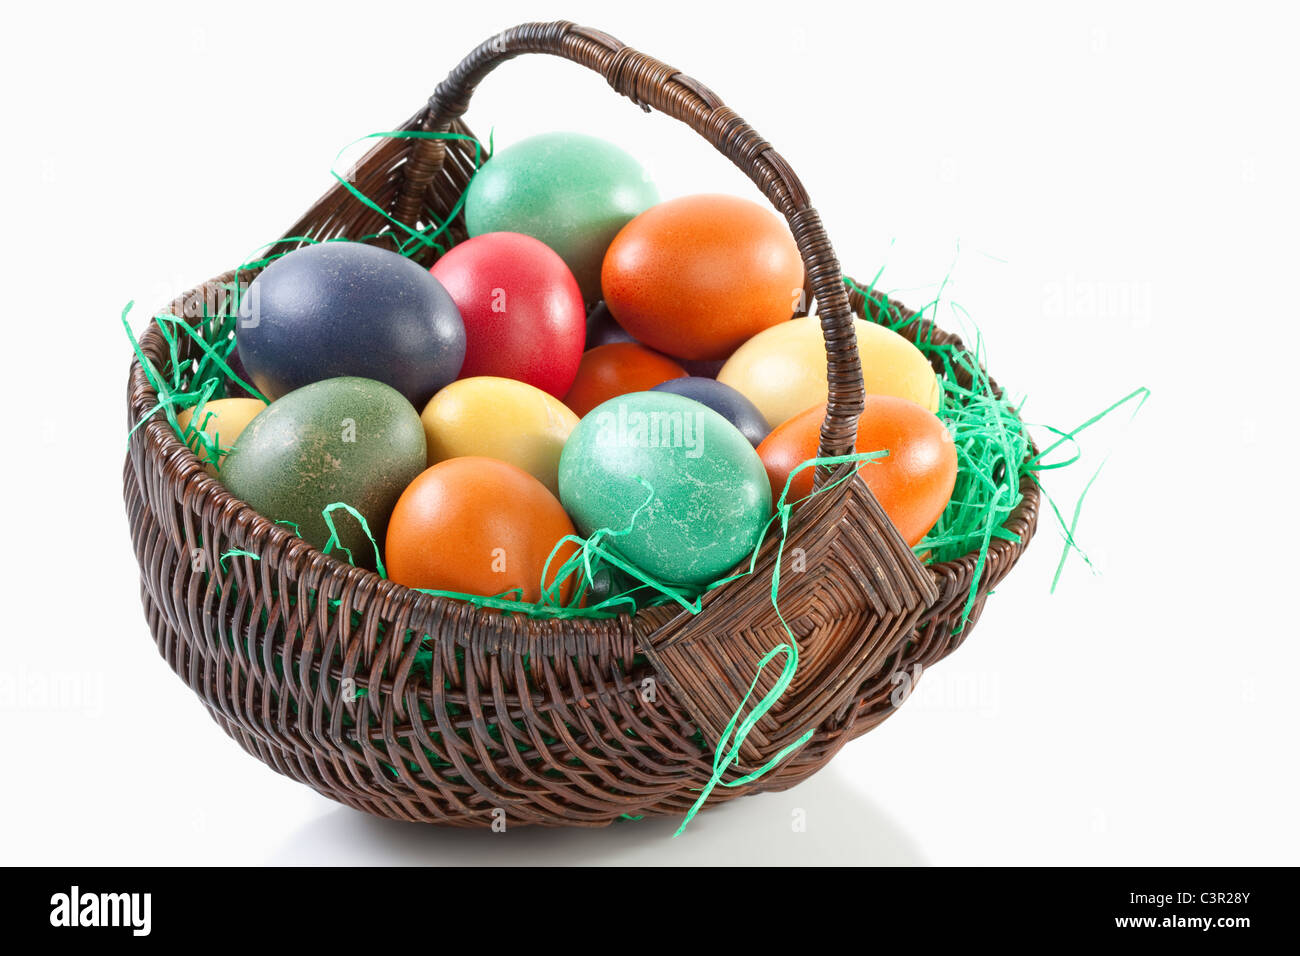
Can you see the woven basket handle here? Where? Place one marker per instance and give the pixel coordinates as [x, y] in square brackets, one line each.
[652, 84]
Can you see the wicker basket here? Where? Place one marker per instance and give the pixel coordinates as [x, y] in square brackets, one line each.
[548, 721]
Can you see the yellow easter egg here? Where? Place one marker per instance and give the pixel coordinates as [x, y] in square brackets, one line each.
[782, 370]
[499, 418]
[222, 420]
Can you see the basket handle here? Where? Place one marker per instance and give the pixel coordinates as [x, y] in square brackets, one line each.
[652, 84]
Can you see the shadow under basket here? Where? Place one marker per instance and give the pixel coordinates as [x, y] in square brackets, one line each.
[457, 714]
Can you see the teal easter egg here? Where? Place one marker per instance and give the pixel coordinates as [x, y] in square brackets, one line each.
[573, 192]
[711, 497]
[352, 440]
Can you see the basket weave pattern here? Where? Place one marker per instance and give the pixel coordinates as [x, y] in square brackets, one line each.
[571, 723]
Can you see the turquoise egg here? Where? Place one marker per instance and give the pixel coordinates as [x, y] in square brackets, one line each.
[711, 498]
[573, 192]
[352, 440]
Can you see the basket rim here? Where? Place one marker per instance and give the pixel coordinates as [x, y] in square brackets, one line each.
[183, 469]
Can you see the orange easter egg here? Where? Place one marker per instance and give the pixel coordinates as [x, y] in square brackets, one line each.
[697, 276]
[477, 526]
[618, 368]
[912, 483]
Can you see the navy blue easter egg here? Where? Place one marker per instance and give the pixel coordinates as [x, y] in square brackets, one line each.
[348, 309]
[602, 329]
[233, 388]
[702, 368]
[724, 400]
[608, 581]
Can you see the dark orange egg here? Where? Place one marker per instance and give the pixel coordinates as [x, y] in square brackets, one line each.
[608, 371]
[913, 483]
[477, 526]
[696, 277]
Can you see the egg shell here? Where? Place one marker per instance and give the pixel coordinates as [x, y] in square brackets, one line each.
[616, 369]
[695, 277]
[339, 309]
[783, 369]
[724, 400]
[346, 439]
[606, 582]
[571, 191]
[523, 313]
[711, 500]
[602, 329]
[499, 418]
[223, 420]
[233, 388]
[477, 526]
[703, 368]
[913, 483]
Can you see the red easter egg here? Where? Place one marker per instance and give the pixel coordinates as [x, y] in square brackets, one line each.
[523, 312]
[696, 277]
[615, 369]
[913, 483]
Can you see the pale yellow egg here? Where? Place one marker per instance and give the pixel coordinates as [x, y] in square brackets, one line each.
[499, 418]
[222, 420]
[782, 370]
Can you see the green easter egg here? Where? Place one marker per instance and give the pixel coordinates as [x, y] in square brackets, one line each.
[711, 497]
[573, 192]
[353, 440]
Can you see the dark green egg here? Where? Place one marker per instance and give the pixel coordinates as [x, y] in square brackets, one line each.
[352, 440]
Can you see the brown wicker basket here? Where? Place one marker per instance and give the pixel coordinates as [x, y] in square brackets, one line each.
[548, 721]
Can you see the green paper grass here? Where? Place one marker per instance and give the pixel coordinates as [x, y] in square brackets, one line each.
[994, 451]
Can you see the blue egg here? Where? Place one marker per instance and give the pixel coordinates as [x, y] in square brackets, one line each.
[602, 329]
[348, 309]
[233, 388]
[724, 400]
[702, 368]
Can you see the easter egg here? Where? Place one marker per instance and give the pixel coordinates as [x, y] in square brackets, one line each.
[340, 309]
[608, 581]
[710, 499]
[350, 440]
[783, 369]
[477, 526]
[499, 418]
[222, 420]
[523, 313]
[233, 388]
[703, 368]
[724, 400]
[697, 276]
[573, 192]
[912, 483]
[616, 369]
[602, 329]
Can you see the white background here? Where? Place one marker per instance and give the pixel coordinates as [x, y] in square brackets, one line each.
[1112, 195]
